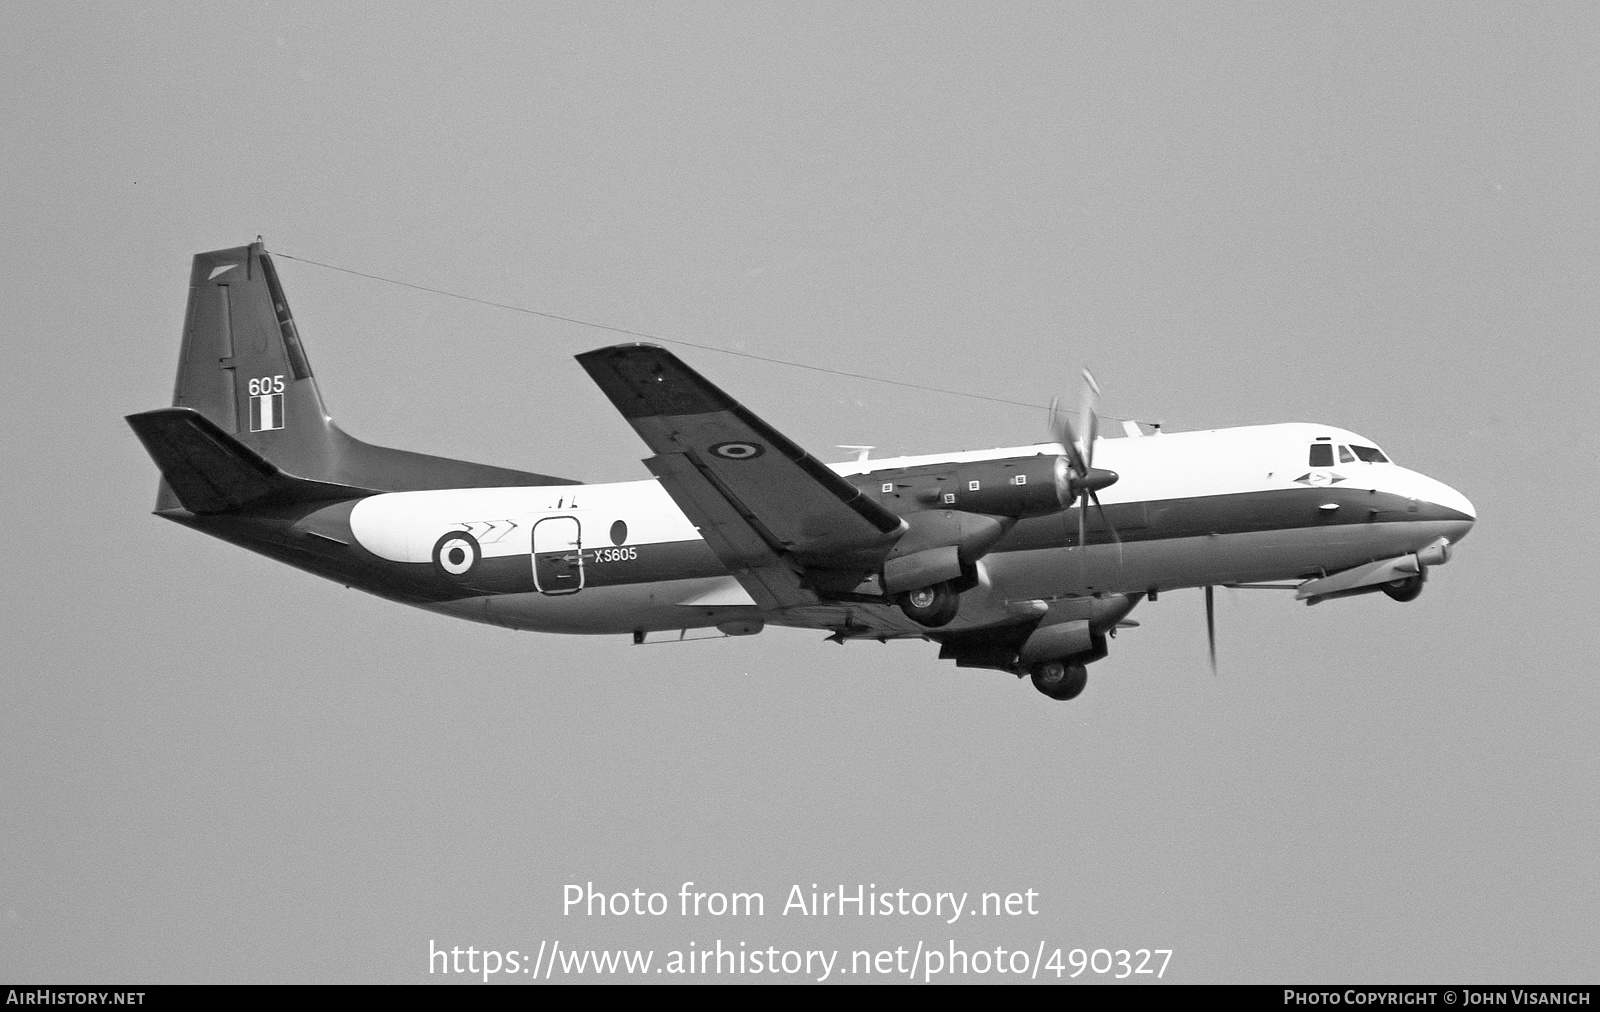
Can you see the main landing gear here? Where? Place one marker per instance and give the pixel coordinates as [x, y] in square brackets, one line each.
[1060, 679]
[931, 606]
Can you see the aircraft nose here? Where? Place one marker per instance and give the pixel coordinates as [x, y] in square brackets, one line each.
[1452, 500]
[1449, 498]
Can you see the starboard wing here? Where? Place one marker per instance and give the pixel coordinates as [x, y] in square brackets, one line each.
[770, 510]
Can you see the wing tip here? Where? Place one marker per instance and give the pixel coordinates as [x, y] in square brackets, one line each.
[646, 380]
[618, 350]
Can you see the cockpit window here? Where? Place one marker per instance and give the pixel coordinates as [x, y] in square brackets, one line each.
[1321, 455]
[1370, 454]
[1345, 456]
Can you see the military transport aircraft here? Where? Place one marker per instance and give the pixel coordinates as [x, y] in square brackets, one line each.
[1022, 559]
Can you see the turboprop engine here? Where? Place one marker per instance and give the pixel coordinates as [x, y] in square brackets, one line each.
[1015, 487]
[968, 507]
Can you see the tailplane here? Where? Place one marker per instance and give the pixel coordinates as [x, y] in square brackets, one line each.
[244, 370]
[209, 471]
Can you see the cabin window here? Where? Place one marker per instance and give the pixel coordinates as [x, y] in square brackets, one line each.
[1321, 455]
[619, 533]
[1345, 456]
[1370, 454]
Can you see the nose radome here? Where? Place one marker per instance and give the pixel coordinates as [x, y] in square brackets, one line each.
[1450, 499]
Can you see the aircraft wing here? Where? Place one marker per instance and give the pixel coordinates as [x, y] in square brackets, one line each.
[767, 508]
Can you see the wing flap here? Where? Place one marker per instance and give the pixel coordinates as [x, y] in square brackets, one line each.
[763, 573]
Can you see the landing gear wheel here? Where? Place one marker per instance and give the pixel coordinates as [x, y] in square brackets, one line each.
[931, 606]
[1406, 589]
[1060, 679]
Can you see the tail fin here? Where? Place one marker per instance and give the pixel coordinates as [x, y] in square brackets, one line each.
[244, 369]
[242, 364]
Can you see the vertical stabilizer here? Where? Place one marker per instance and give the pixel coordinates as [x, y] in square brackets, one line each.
[244, 368]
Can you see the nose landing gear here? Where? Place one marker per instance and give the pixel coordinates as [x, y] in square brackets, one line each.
[1406, 589]
[1060, 679]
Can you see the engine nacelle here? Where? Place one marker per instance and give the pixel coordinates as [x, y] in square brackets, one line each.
[921, 569]
[1054, 642]
[940, 546]
[1013, 487]
[1018, 487]
[1076, 628]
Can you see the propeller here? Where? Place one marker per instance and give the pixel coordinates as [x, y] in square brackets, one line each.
[1211, 626]
[1077, 479]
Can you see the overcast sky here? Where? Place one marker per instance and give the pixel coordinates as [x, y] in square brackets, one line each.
[216, 768]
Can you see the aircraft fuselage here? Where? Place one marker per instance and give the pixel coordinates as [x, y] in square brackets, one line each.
[1225, 506]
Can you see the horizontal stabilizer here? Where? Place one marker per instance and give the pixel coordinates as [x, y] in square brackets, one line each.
[212, 472]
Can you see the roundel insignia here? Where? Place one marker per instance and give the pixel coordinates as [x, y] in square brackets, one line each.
[738, 450]
[456, 553]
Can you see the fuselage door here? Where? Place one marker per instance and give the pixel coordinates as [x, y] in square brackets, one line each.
[558, 556]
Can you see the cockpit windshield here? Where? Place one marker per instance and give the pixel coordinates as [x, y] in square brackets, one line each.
[1322, 453]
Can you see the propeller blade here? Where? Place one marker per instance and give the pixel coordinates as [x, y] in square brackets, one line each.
[1103, 519]
[1077, 445]
[1107, 521]
[1061, 428]
[1088, 419]
[1211, 626]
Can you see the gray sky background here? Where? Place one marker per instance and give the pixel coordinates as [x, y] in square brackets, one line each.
[215, 768]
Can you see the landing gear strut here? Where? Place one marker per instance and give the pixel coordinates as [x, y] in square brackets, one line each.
[931, 606]
[1060, 679]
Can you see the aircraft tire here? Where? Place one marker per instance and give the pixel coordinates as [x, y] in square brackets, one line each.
[1061, 680]
[1406, 589]
[931, 606]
